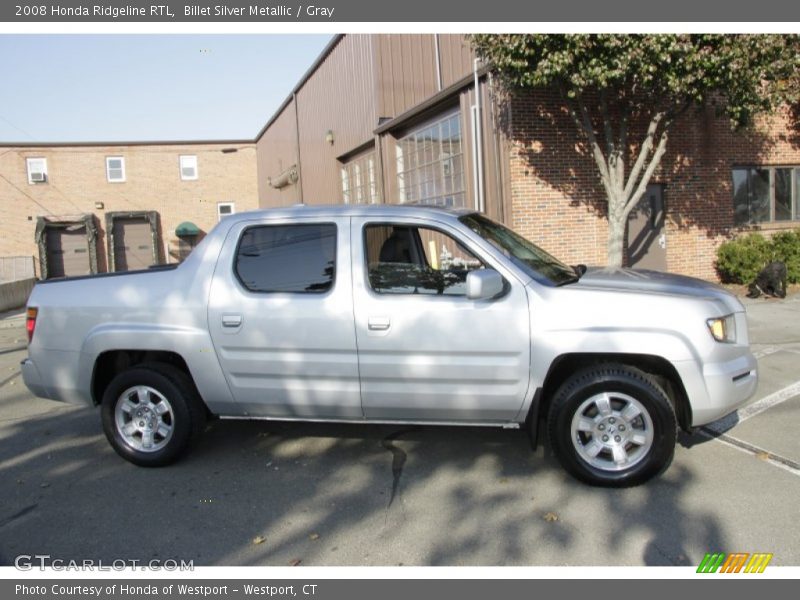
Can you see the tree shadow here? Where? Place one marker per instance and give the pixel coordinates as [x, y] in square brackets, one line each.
[325, 494]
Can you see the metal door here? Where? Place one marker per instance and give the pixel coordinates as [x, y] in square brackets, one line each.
[647, 239]
[437, 357]
[133, 244]
[286, 354]
[67, 252]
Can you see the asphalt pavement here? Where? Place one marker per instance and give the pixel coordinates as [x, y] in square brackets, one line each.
[257, 493]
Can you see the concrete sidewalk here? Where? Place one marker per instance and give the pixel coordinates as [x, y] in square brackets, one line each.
[12, 318]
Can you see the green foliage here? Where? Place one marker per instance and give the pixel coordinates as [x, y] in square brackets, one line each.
[745, 74]
[740, 260]
[786, 248]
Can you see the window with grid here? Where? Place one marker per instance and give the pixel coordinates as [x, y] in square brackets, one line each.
[766, 194]
[115, 169]
[430, 164]
[360, 180]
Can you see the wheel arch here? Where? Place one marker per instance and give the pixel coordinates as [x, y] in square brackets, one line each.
[110, 363]
[658, 367]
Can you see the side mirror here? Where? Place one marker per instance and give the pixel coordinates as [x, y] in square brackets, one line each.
[483, 284]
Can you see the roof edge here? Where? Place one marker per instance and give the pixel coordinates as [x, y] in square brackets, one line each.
[128, 143]
[431, 101]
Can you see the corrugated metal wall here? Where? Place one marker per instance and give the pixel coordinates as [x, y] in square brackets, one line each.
[406, 72]
[365, 78]
[340, 98]
[456, 58]
[277, 151]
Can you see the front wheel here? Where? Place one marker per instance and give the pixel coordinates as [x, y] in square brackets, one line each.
[150, 413]
[612, 425]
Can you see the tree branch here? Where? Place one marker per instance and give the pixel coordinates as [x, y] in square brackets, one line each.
[597, 152]
[584, 123]
[623, 146]
[606, 123]
[644, 152]
[648, 174]
[612, 151]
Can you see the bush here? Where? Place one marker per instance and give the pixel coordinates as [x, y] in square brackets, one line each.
[740, 260]
[786, 248]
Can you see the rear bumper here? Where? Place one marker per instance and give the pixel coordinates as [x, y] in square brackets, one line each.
[33, 380]
[57, 380]
[720, 388]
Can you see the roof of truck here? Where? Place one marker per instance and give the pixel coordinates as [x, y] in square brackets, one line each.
[354, 210]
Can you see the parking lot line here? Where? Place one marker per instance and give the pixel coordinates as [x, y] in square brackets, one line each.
[741, 415]
[775, 460]
[764, 352]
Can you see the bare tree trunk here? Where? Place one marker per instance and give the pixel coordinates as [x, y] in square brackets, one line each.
[617, 224]
[623, 192]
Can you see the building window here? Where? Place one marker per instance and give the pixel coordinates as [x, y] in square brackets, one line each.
[430, 164]
[37, 170]
[287, 258]
[188, 166]
[765, 194]
[225, 209]
[360, 180]
[115, 169]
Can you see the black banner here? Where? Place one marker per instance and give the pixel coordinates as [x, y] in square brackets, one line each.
[439, 11]
[396, 589]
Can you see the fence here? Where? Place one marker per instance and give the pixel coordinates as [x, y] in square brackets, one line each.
[14, 268]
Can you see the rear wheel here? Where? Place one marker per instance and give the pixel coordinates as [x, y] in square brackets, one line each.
[612, 425]
[150, 413]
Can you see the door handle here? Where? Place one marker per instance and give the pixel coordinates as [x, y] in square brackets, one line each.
[378, 323]
[231, 320]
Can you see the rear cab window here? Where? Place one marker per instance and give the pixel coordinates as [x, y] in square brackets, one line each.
[298, 259]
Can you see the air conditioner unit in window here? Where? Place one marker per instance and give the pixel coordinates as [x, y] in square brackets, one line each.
[38, 177]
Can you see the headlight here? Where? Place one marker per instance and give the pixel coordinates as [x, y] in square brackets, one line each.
[723, 329]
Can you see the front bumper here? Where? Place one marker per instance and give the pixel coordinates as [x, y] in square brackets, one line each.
[719, 388]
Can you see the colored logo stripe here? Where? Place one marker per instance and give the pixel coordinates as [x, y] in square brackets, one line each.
[758, 562]
[734, 563]
[711, 562]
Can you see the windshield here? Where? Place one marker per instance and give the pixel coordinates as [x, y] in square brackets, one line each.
[530, 258]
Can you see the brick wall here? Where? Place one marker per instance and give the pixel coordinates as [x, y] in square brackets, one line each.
[77, 181]
[558, 202]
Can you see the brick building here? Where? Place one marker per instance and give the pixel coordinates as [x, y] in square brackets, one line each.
[395, 118]
[81, 208]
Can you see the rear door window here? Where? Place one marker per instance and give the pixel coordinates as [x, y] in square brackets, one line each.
[287, 258]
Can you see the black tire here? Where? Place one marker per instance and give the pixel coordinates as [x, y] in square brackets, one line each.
[596, 408]
[146, 390]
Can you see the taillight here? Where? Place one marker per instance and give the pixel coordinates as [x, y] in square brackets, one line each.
[30, 322]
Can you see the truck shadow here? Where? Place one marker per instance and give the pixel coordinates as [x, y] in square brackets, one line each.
[268, 493]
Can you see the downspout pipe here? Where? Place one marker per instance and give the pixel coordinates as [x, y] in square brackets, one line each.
[478, 139]
[297, 141]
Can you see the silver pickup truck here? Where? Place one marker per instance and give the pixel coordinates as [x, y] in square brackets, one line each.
[393, 314]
